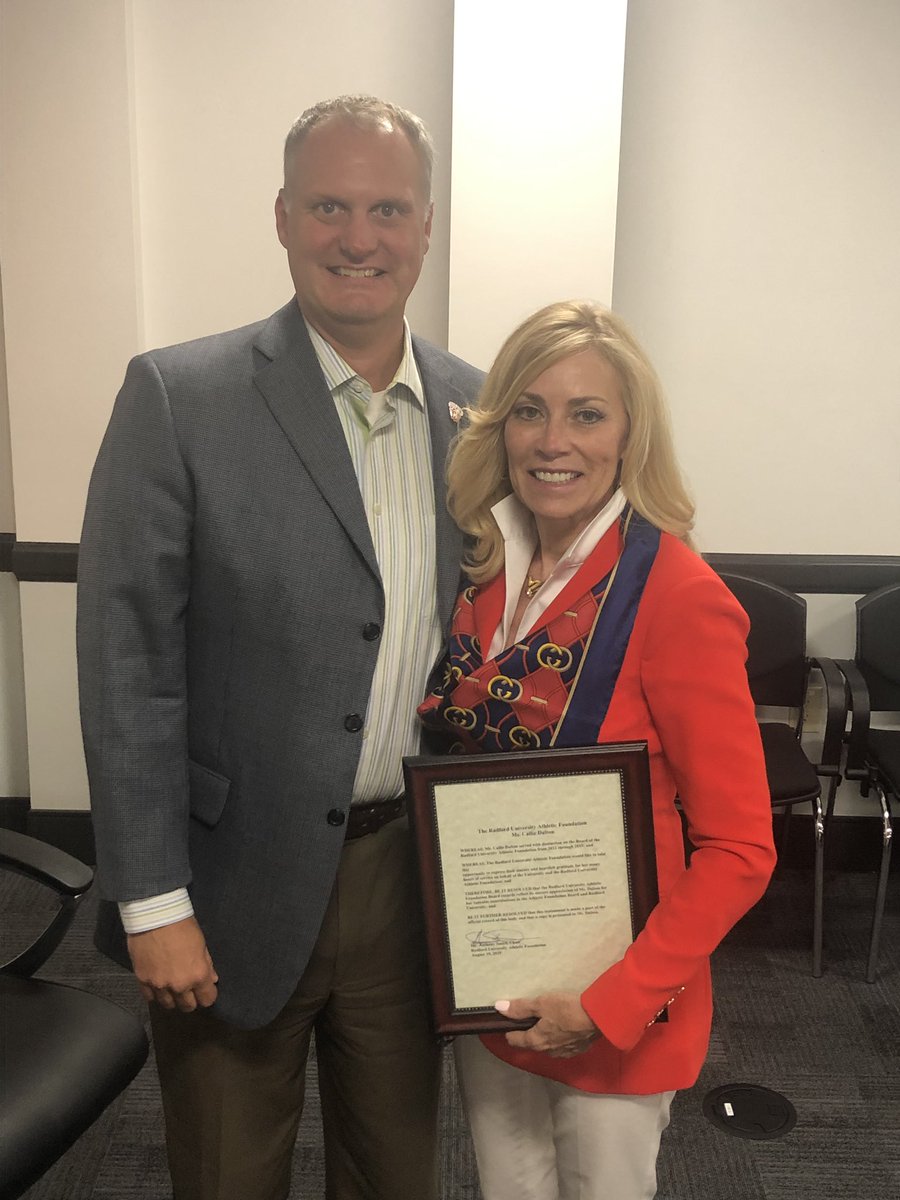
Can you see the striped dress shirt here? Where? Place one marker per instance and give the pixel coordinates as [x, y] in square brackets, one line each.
[387, 435]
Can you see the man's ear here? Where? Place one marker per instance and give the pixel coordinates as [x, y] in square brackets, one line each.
[281, 215]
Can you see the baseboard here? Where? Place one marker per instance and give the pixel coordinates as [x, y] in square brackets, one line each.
[70, 830]
[14, 813]
[851, 843]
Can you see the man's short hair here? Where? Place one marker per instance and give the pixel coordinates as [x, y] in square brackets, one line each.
[364, 110]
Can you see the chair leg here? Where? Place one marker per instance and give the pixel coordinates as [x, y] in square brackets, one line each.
[785, 830]
[832, 792]
[820, 824]
[819, 886]
[881, 890]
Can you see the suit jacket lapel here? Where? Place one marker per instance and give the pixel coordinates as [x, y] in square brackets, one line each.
[440, 393]
[292, 385]
[291, 382]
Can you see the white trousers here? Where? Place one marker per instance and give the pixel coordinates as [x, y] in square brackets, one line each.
[537, 1139]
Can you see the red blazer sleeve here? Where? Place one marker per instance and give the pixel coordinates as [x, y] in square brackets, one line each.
[688, 669]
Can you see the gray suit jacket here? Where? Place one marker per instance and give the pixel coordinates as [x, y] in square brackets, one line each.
[226, 573]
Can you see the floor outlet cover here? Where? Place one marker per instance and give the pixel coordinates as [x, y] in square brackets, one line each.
[749, 1111]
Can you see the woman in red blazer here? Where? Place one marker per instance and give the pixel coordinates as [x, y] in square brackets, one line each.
[566, 481]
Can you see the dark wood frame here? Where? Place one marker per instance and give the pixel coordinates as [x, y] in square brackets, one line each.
[629, 759]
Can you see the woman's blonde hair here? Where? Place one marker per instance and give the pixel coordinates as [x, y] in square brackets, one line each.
[477, 473]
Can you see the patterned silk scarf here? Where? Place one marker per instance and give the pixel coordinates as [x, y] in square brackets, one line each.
[553, 687]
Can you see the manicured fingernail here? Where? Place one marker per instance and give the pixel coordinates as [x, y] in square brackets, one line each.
[502, 1006]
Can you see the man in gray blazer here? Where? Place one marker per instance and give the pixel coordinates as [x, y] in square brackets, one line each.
[266, 573]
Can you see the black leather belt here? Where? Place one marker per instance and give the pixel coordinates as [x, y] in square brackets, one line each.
[368, 818]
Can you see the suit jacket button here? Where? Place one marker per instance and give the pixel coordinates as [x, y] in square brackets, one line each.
[335, 817]
[353, 723]
[371, 631]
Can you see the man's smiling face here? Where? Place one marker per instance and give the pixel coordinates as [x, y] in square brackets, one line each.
[355, 220]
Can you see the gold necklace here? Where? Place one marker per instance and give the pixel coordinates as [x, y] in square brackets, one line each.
[532, 583]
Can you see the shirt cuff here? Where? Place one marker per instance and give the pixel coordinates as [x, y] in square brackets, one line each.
[140, 916]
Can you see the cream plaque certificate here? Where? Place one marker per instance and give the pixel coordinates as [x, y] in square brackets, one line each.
[537, 872]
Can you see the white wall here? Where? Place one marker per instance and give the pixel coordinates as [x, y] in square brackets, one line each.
[537, 103]
[757, 255]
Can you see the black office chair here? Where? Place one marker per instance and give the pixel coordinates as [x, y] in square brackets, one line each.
[778, 669]
[873, 754]
[64, 1054]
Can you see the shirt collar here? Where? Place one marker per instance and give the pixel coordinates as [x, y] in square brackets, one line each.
[338, 372]
[518, 530]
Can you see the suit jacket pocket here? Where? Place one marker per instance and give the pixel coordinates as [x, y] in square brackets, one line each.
[208, 791]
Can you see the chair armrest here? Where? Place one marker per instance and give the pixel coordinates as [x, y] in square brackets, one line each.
[836, 715]
[65, 875]
[856, 767]
[58, 870]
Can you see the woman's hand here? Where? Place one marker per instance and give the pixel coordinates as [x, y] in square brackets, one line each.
[563, 1028]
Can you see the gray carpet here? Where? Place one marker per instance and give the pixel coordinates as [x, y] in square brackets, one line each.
[831, 1045]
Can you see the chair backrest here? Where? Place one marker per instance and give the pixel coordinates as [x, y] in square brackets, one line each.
[776, 646]
[878, 646]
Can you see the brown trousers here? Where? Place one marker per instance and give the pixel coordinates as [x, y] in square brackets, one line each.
[233, 1098]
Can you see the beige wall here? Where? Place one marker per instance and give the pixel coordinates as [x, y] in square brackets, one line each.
[67, 238]
[7, 505]
[141, 152]
[215, 89]
[13, 737]
[141, 144]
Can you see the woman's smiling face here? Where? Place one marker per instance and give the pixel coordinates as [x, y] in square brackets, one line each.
[564, 439]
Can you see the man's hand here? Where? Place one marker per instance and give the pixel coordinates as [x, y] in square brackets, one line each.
[563, 1029]
[173, 966]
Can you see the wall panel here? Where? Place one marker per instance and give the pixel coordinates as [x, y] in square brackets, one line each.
[757, 254]
[67, 240]
[537, 93]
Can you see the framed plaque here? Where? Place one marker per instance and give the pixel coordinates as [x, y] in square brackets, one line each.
[537, 871]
